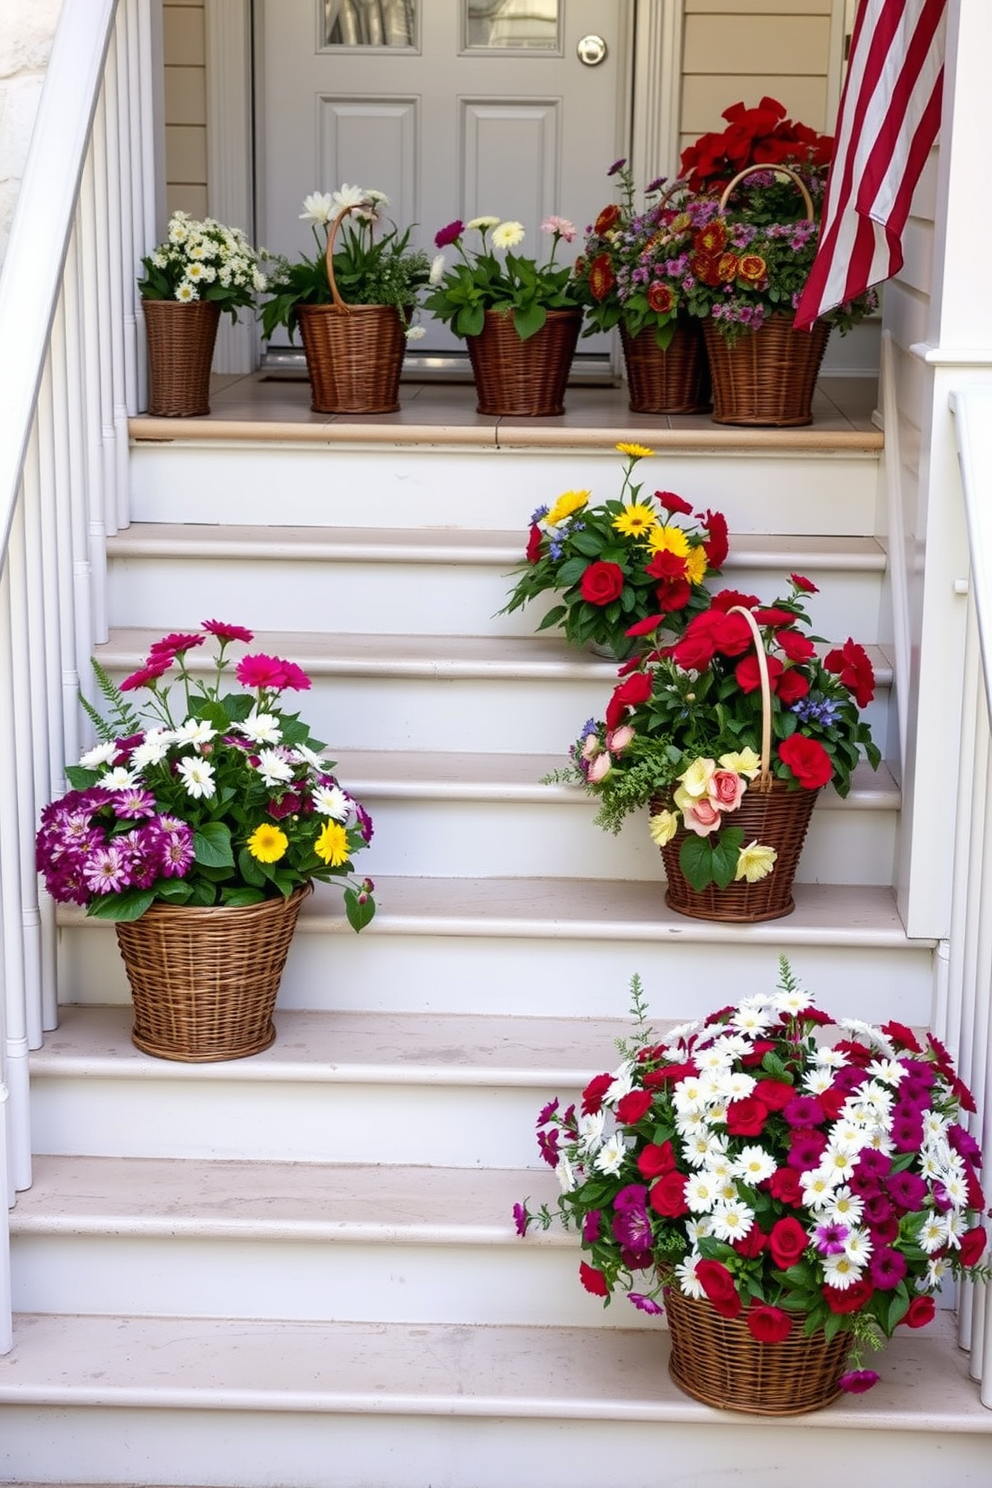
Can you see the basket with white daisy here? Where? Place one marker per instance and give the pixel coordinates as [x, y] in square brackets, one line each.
[520, 318]
[787, 1187]
[198, 271]
[354, 301]
[200, 822]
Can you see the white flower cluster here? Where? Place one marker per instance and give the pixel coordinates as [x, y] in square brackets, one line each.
[199, 254]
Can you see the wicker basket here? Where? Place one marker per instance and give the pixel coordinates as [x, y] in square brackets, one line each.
[768, 376]
[716, 1360]
[515, 378]
[676, 380]
[204, 981]
[354, 352]
[771, 813]
[181, 341]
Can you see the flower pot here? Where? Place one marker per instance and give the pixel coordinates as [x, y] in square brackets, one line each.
[204, 981]
[676, 380]
[354, 357]
[181, 339]
[778, 818]
[767, 376]
[718, 1361]
[515, 378]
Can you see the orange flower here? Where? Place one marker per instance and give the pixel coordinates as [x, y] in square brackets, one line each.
[608, 217]
[704, 266]
[661, 298]
[727, 266]
[601, 277]
[712, 238]
[752, 268]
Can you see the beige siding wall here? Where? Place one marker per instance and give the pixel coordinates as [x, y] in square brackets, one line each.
[185, 106]
[742, 49]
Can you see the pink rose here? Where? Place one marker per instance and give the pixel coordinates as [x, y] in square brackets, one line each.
[599, 768]
[725, 789]
[701, 816]
[619, 738]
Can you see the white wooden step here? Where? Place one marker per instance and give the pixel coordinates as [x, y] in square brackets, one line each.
[365, 580]
[561, 948]
[189, 1401]
[499, 694]
[295, 1240]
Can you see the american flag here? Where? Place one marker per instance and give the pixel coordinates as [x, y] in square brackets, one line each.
[888, 120]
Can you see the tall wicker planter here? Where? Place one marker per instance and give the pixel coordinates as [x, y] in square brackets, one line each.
[768, 376]
[716, 1360]
[354, 357]
[181, 340]
[676, 380]
[204, 981]
[523, 378]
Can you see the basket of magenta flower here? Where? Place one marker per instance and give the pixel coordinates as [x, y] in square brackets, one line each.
[199, 826]
[786, 1200]
[727, 735]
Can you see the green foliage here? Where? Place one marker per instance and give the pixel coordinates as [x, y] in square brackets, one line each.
[462, 292]
[203, 261]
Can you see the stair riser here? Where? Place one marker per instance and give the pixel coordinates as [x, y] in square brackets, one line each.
[532, 1283]
[255, 1448]
[487, 489]
[472, 1126]
[554, 975]
[167, 593]
[454, 710]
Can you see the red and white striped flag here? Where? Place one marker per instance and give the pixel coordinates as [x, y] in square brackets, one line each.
[888, 120]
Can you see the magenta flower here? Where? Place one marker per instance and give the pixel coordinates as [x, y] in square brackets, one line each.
[149, 673]
[546, 1112]
[228, 633]
[887, 1269]
[590, 1227]
[107, 870]
[857, 1381]
[271, 673]
[175, 644]
[450, 234]
[830, 1238]
[645, 1304]
[521, 1218]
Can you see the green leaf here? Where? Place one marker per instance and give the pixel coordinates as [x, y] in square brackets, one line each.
[359, 914]
[726, 852]
[212, 845]
[241, 896]
[529, 320]
[79, 778]
[128, 905]
[696, 862]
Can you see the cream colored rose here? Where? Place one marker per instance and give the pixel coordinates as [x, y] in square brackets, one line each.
[745, 763]
[755, 862]
[696, 779]
[663, 825]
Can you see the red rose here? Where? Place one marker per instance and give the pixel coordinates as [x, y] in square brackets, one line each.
[784, 1185]
[725, 599]
[807, 759]
[592, 1096]
[768, 1324]
[665, 565]
[654, 1161]
[775, 1094]
[731, 634]
[791, 686]
[753, 1242]
[716, 544]
[921, 1311]
[748, 673]
[668, 1074]
[633, 690]
[771, 615]
[718, 1284]
[602, 583]
[851, 664]
[673, 503]
[633, 1107]
[794, 644]
[673, 595]
[534, 543]
[661, 298]
[901, 1036]
[594, 1281]
[802, 583]
[746, 1117]
[851, 1299]
[667, 1196]
[787, 1241]
[972, 1246]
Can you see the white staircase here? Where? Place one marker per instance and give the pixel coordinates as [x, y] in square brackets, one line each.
[301, 1268]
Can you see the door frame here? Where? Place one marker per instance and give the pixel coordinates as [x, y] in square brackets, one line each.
[651, 101]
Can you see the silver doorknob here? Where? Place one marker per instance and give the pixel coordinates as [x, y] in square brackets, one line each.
[592, 50]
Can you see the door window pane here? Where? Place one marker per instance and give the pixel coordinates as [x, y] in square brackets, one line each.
[513, 25]
[370, 23]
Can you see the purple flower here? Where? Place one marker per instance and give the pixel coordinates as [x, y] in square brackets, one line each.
[590, 1227]
[878, 1210]
[857, 1381]
[133, 803]
[546, 1112]
[907, 1132]
[874, 1164]
[964, 1144]
[645, 1304]
[521, 1218]
[830, 1238]
[617, 165]
[631, 1224]
[887, 1268]
[907, 1190]
[803, 1110]
[176, 852]
[445, 236]
[806, 1148]
[107, 871]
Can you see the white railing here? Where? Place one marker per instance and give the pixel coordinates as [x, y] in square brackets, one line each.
[69, 377]
[969, 973]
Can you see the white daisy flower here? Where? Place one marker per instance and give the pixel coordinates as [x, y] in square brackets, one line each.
[934, 1233]
[100, 754]
[731, 1219]
[818, 1186]
[889, 1071]
[817, 1081]
[792, 1003]
[197, 776]
[858, 1246]
[831, 1058]
[845, 1207]
[591, 1129]
[194, 731]
[689, 1283]
[838, 1164]
[331, 800]
[623, 1083]
[120, 778]
[697, 1229]
[936, 1271]
[261, 728]
[274, 767]
[153, 748]
[840, 1272]
[681, 1031]
[701, 1192]
[609, 1158]
[751, 1019]
[565, 1174]
[754, 1165]
[348, 196]
[733, 1084]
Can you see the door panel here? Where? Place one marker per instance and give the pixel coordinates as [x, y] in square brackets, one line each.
[455, 108]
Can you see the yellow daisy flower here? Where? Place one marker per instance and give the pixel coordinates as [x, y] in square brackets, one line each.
[671, 540]
[267, 843]
[635, 451]
[636, 520]
[332, 844]
[695, 565]
[567, 503]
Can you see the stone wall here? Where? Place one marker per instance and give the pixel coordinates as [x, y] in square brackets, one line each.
[26, 31]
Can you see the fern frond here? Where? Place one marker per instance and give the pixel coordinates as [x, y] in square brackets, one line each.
[122, 720]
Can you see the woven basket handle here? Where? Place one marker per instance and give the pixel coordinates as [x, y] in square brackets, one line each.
[765, 778]
[680, 185]
[340, 305]
[783, 170]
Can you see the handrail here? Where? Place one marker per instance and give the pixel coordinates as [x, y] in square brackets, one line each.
[68, 304]
[970, 951]
[31, 276]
